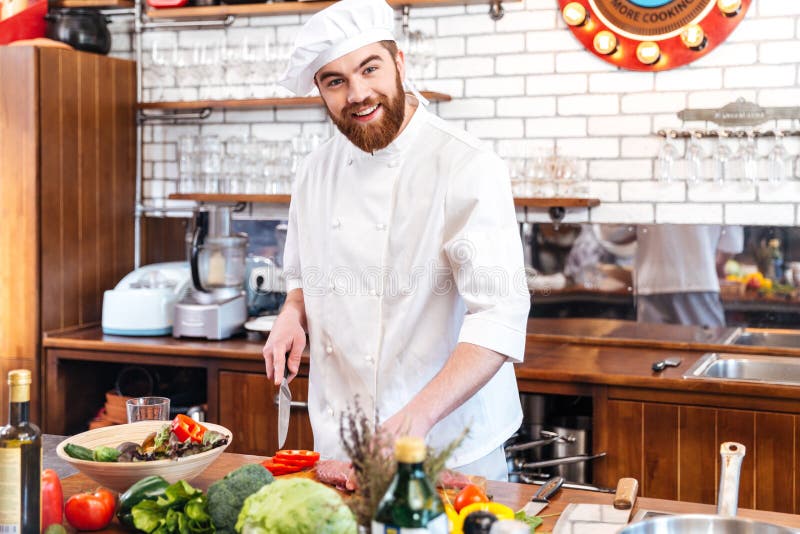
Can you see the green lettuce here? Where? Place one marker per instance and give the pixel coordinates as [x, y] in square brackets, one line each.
[295, 506]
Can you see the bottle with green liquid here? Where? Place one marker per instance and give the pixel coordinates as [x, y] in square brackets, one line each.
[411, 504]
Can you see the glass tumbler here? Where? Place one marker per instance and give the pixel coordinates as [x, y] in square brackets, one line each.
[147, 409]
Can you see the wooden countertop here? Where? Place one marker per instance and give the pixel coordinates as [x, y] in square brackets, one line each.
[513, 495]
[585, 351]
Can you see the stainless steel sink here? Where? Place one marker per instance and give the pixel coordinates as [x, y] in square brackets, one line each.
[767, 339]
[747, 368]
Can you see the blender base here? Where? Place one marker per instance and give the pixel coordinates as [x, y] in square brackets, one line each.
[218, 320]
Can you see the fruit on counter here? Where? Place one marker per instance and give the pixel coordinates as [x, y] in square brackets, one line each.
[151, 487]
[226, 496]
[290, 461]
[184, 427]
[52, 499]
[297, 506]
[181, 509]
[90, 510]
[478, 522]
[55, 529]
[470, 494]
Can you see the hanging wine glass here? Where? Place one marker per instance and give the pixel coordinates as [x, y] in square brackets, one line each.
[720, 158]
[747, 158]
[695, 155]
[778, 162]
[667, 155]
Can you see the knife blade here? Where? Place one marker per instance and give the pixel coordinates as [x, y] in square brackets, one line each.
[540, 499]
[584, 518]
[284, 404]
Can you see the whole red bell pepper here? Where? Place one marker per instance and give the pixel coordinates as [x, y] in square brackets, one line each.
[52, 499]
[184, 427]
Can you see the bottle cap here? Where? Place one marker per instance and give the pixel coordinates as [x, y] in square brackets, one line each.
[19, 377]
[409, 450]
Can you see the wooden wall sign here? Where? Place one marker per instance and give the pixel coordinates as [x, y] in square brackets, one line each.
[652, 35]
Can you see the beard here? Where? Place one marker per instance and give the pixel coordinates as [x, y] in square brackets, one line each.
[374, 135]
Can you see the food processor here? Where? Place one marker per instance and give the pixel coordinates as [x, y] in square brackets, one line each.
[215, 308]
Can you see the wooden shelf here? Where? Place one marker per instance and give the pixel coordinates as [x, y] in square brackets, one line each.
[260, 103]
[283, 8]
[556, 202]
[285, 199]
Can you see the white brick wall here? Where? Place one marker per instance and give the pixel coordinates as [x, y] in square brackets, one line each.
[523, 82]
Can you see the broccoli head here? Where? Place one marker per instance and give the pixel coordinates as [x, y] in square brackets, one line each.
[226, 496]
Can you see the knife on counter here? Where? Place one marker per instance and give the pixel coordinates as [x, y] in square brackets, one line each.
[284, 404]
[540, 500]
[584, 518]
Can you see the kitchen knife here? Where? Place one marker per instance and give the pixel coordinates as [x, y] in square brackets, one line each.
[600, 518]
[540, 500]
[284, 404]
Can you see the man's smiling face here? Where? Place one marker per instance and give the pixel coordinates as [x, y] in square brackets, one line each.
[363, 93]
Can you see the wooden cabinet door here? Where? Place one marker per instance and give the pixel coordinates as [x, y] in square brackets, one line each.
[247, 407]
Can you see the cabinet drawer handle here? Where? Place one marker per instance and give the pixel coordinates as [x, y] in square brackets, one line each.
[294, 404]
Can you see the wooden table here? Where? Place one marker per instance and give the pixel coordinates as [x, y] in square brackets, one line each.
[513, 495]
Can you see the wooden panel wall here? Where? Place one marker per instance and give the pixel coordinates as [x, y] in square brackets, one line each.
[67, 184]
[88, 182]
[679, 455]
[163, 239]
[19, 258]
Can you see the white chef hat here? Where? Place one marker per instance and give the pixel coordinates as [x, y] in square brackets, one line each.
[332, 33]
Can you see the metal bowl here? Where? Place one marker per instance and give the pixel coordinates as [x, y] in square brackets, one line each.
[704, 524]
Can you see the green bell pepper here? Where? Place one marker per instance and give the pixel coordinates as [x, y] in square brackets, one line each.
[150, 488]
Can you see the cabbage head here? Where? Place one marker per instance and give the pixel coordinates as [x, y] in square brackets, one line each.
[295, 506]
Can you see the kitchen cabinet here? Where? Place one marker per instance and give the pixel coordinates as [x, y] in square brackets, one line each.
[67, 189]
[81, 365]
[247, 402]
[673, 450]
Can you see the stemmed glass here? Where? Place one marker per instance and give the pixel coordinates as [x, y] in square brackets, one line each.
[667, 155]
[694, 158]
[419, 54]
[747, 158]
[720, 158]
[160, 67]
[777, 160]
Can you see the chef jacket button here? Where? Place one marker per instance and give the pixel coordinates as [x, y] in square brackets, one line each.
[336, 223]
[368, 357]
[330, 411]
[329, 349]
[380, 226]
[349, 161]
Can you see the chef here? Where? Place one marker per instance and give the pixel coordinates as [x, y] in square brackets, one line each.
[403, 262]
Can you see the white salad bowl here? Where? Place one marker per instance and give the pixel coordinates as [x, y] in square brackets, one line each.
[119, 476]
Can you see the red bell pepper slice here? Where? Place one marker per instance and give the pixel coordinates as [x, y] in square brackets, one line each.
[277, 468]
[302, 458]
[184, 427]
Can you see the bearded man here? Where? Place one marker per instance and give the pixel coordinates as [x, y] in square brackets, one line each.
[402, 261]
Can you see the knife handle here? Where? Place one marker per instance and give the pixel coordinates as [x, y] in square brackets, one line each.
[626, 493]
[549, 488]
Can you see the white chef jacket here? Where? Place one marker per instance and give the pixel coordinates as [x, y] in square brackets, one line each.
[401, 254]
[681, 258]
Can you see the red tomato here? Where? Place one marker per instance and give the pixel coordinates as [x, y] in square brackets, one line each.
[52, 499]
[91, 511]
[470, 494]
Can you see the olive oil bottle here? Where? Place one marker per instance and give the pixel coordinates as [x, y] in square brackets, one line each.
[20, 461]
[411, 504]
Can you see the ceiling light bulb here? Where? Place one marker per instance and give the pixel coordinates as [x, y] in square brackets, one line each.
[729, 7]
[648, 52]
[605, 42]
[693, 37]
[574, 14]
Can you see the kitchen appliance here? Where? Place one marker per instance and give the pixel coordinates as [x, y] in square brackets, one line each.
[82, 28]
[585, 518]
[540, 499]
[215, 308]
[143, 302]
[266, 287]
